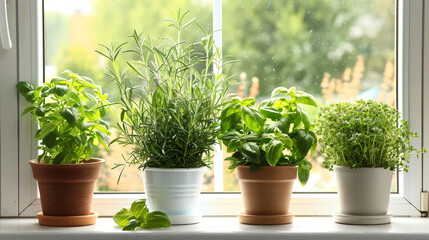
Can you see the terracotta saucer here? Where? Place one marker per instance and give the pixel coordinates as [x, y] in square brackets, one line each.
[265, 219]
[67, 221]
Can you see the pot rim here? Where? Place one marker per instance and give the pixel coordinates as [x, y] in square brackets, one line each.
[98, 161]
[153, 169]
[342, 168]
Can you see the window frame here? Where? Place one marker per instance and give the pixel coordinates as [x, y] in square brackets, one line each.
[24, 62]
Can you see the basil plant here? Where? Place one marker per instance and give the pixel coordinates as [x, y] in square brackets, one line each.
[277, 132]
[68, 112]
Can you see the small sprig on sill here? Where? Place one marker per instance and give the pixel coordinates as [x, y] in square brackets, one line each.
[138, 216]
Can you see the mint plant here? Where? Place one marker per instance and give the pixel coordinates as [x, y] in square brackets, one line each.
[138, 216]
[278, 132]
[170, 98]
[68, 112]
[365, 134]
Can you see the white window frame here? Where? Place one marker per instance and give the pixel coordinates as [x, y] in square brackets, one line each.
[24, 62]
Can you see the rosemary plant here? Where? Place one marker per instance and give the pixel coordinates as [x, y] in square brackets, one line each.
[365, 134]
[170, 97]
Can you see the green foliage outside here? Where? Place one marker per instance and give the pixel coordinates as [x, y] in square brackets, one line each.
[138, 216]
[69, 115]
[365, 134]
[293, 43]
[279, 132]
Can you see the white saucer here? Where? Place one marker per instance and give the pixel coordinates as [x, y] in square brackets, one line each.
[184, 219]
[361, 219]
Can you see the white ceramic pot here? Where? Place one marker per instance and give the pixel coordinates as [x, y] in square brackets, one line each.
[363, 191]
[174, 192]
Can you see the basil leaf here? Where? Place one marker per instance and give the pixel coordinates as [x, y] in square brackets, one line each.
[132, 225]
[304, 141]
[139, 208]
[40, 111]
[59, 158]
[71, 115]
[156, 219]
[274, 152]
[253, 119]
[50, 139]
[270, 112]
[305, 98]
[60, 90]
[251, 152]
[24, 87]
[122, 217]
[233, 145]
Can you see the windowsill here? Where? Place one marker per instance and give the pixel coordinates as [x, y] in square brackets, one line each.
[223, 228]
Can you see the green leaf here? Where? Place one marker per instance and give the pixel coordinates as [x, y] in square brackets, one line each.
[233, 145]
[304, 171]
[303, 175]
[270, 112]
[132, 225]
[280, 92]
[59, 81]
[50, 139]
[274, 152]
[304, 141]
[227, 137]
[279, 103]
[27, 110]
[24, 87]
[102, 140]
[59, 158]
[283, 124]
[139, 208]
[102, 129]
[305, 98]
[60, 90]
[230, 122]
[71, 115]
[45, 129]
[251, 152]
[122, 217]
[247, 102]
[40, 111]
[253, 119]
[306, 120]
[157, 219]
[29, 96]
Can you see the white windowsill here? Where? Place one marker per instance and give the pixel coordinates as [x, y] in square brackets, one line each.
[319, 228]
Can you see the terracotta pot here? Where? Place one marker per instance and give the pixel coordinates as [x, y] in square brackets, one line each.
[267, 191]
[66, 190]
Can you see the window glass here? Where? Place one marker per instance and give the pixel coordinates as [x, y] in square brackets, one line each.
[73, 30]
[334, 50]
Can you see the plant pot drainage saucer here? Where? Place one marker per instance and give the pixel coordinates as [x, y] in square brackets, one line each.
[67, 221]
[362, 219]
[265, 219]
[184, 219]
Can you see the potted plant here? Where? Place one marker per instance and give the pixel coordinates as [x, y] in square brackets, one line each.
[269, 145]
[170, 101]
[365, 142]
[68, 112]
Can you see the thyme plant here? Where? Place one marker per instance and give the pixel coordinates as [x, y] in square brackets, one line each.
[170, 98]
[365, 134]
